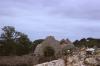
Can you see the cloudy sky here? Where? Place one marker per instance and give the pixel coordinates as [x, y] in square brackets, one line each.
[73, 19]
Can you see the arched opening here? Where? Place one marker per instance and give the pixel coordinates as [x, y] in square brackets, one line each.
[49, 51]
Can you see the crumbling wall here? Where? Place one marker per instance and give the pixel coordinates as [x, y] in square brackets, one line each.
[59, 62]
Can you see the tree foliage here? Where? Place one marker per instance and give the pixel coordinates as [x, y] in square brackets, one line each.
[89, 42]
[13, 42]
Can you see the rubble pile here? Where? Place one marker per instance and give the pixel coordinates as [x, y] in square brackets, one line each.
[82, 60]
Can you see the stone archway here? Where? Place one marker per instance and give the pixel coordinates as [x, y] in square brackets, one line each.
[49, 51]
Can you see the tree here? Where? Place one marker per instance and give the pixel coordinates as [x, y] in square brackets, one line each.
[9, 33]
[15, 43]
[24, 45]
[76, 43]
[8, 36]
[89, 42]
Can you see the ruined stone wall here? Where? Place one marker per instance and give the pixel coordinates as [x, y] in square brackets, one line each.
[58, 62]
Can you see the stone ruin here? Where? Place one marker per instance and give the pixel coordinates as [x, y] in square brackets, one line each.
[58, 47]
[55, 44]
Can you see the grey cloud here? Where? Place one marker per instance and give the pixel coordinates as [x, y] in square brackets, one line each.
[62, 18]
[78, 9]
[74, 8]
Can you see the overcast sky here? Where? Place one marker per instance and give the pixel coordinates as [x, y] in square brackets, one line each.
[73, 19]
